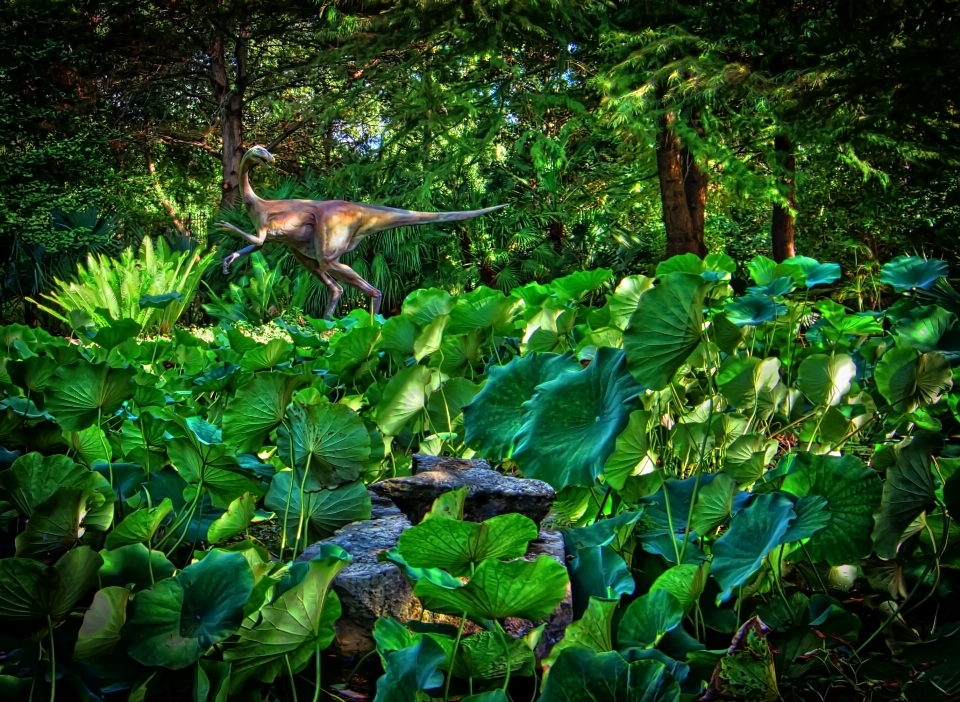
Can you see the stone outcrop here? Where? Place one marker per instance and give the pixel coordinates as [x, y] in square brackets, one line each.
[369, 589]
[489, 493]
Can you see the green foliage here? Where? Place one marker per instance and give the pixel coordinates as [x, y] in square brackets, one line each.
[747, 479]
[130, 287]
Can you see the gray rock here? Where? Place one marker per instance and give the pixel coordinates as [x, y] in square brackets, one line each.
[369, 589]
[490, 493]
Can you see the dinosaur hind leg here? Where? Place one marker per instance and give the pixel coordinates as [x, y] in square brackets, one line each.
[335, 290]
[345, 274]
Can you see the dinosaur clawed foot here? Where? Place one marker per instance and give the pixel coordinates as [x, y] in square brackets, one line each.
[228, 261]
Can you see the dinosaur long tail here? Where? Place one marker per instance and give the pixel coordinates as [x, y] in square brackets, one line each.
[391, 217]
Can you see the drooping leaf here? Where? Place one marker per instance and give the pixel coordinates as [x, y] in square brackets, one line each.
[297, 625]
[570, 426]
[582, 675]
[237, 517]
[403, 397]
[174, 622]
[446, 404]
[593, 630]
[665, 329]
[908, 380]
[648, 618]
[481, 308]
[908, 491]
[825, 380]
[753, 533]
[457, 546]
[808, 271]
[494, 418]
[630, 451]
[102, 622]
[623, 302]
[82, 392]
[685, 582]
[425, 305]
[714, 504]
[257, 409]
[748, 456]
[852, 491]
[482, 656]
[742, 379]
[33, 479]
[55, 524]
[139, 527]
[410, 671]
[498, 589]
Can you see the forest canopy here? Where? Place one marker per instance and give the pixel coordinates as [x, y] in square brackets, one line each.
[618, 132]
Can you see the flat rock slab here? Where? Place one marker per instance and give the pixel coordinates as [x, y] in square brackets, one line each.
[490, 493]
[369, 589]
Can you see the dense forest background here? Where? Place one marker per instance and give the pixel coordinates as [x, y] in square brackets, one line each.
[619, 132]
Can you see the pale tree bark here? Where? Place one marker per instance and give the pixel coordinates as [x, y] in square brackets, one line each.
[782, 230]
[683, 193]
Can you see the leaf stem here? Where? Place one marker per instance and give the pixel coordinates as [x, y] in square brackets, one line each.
[53, 662]
[453, 656]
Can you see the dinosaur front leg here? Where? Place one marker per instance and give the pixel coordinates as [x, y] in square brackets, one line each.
[257, 240]
[229, 260]
[345, 274]
[335, 290]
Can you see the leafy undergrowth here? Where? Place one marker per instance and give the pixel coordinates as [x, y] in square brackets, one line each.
[755, 494]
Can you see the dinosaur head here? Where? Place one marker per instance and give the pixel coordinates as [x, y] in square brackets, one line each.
[258, 155]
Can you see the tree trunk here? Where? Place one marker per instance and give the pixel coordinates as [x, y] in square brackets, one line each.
[683, 193]
[230, 97]
[782, 229]
[556, 234]
[164, 200]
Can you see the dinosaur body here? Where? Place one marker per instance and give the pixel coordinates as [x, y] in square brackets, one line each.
[319, 232]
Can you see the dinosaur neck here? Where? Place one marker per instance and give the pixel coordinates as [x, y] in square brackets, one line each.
[250, 198]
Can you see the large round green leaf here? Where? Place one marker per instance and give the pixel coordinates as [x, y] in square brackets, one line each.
[825, 380]
[400, 333]
[908, 491]
[458, 546]
[908, 380]
[754, 310]
[908, 272]
[54, 525]
[329, 441]
[424, 305]
[582, 675]
[33, 479]
[685, 582]
[648, 618]
[268, 355]
[293, 628]
[493, 420]
[482, 308]
[411, 670]
[499, 589]
[923, 329]
[754, 532]
[237, 517]
[665, 329]
[176, 621]
[257, 409]
[325, 511]
[32, 374]
[31, 591]
[852, 491]
[82, 392]
[571, 424]
[808, 271]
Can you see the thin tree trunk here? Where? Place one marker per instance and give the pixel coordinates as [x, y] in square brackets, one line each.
[682, 193]
[230, 96]
[782, 230]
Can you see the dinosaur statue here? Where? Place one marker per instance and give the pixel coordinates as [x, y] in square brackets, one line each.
[319, 232]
